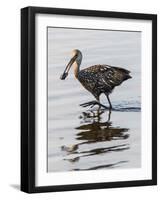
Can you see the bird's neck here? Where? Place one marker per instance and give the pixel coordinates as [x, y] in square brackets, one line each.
[76, 67]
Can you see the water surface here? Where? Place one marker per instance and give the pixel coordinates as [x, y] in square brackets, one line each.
[91, 139]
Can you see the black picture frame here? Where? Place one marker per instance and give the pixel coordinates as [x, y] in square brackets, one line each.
[28, 98]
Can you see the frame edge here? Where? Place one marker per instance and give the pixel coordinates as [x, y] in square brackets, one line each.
[154, 99]
[27, 101]
[28, 104]
[24, 100]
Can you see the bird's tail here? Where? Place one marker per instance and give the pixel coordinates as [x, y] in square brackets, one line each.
[127, 76]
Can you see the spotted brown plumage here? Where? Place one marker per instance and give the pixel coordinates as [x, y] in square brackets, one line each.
[97, 79]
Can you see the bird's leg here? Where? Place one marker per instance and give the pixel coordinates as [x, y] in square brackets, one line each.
[93, 103]
[90, 103]
[109, 102]
[99, 104]
[109, 116]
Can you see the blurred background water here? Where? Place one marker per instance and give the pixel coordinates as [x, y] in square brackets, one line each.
[88, 139]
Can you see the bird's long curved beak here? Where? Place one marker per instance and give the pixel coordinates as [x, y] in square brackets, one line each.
[65, 73]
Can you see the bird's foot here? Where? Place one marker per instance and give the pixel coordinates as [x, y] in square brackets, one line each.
[92, 104]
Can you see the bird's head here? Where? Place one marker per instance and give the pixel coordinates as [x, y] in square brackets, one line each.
[76, 57]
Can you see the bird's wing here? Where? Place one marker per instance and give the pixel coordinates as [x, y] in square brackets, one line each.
[95, 69]
[121, 69]
[105, 77]
[100, 76]
[114, 76]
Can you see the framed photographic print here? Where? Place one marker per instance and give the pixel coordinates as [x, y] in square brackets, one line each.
[88, 99]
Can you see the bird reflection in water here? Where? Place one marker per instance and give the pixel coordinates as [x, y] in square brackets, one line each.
[93, 130]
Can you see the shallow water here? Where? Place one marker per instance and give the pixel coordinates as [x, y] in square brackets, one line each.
[89, 139]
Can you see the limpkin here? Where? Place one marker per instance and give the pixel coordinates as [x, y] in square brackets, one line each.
[96, 79]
